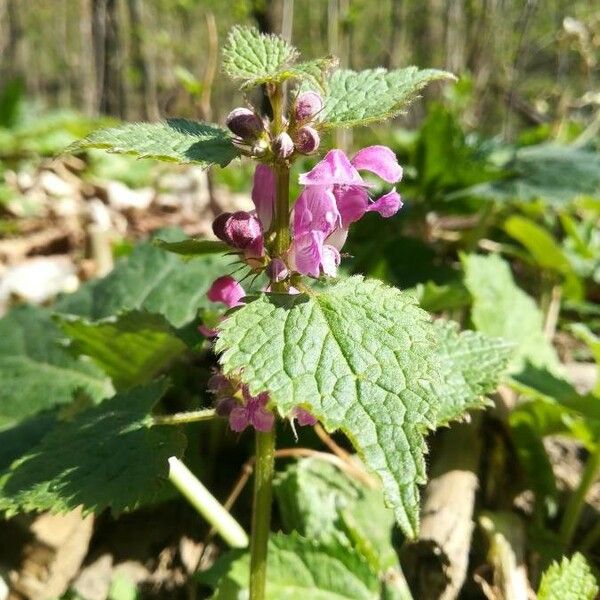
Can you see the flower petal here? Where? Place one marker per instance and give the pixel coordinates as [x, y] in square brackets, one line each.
[352, 203]
[263, 194]
[330, 260]
[303, 416]
[338, 238]
[306, 253]
[226, 290]
[379, 160]
[316, 208]
[334, 169]
[239, 419]
[388, 205]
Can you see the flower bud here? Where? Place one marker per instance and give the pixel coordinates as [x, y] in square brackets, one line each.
[218, 226]
[283, 145]
[307, 140]
[242, 230]
[307, 105]
[277, 270]
[244, 123]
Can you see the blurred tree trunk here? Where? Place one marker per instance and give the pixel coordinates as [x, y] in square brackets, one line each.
[456, 35]
[397, 43]
[107, 50]
[87, 81]
[15, 49]
[435, 32]
[146, 80]
[262, 12]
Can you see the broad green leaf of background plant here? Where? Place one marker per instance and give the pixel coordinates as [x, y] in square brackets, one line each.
[502, 309]
[553, 173]
[572, 579]
[297, 569]
[107, 456]
[545, 251]
[149, 279]
[592, 341]
[258, 58]
[364, 97]
[131, 348]
[174, 140]
[363, 358]
[36, 371]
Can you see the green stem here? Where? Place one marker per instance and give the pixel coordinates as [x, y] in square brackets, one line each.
[577, 499]
[261, 515]
[206, 504]
[184, 417]
[265, 441]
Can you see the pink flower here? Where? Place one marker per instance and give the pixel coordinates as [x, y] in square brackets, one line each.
[227, 291]
[335, 196]
[263, 194]
[253, 412]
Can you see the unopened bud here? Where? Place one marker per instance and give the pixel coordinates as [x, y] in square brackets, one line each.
[283, 145]
[307, 105]
[218, 226]
[277, 270]
[242, 230]
[307, 140]
[244, 123]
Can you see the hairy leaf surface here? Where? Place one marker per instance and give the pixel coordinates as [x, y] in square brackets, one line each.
[572, 579]
[359, 98]
[131, 348]
[36, 371]
[365, 359]
[149, 279]
[297, 569]
[175, 140]
[107, 456]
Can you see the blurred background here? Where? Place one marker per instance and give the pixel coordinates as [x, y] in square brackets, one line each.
[502, 194]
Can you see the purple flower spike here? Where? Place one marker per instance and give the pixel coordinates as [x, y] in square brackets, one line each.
[307, 140]
[263, 194]
[334, 169]
[227, 291]
[244, 123]
[388, 205]
[307, 105]
[283, 145]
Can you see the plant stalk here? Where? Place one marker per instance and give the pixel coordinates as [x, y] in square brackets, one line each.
[205, 414]
[577, 499]
[265, 441]
[261, 514]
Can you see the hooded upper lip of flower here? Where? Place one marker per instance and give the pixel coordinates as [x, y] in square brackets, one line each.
[334, 196]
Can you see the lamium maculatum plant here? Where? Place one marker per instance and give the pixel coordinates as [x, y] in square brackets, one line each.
[351, 354]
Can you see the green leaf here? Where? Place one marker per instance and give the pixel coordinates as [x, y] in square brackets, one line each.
[38, 373]
[545, 251]
[572, 579]
[192, 247]
[107, 456]
[502, 309]
[592, 341]
[363, 358]
[131, 348]
[363, 97]
[310, 494]
[469, 366]
[297, 569]
[149, 279]
[255, 57]
[437, 298]
[175, 140]
[552, 173]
